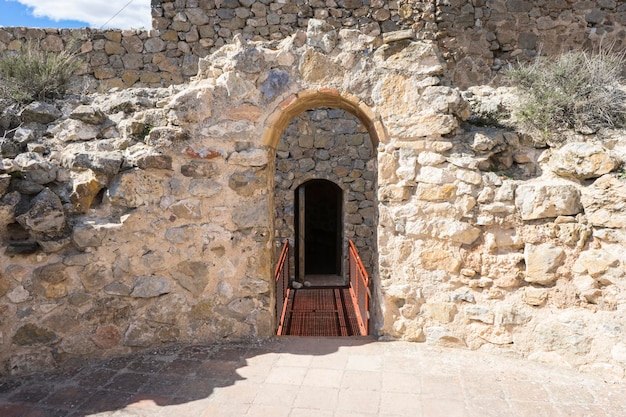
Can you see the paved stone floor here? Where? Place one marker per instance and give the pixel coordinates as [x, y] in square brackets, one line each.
[312, 377]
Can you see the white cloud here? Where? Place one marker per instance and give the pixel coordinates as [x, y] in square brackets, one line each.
[95, 12]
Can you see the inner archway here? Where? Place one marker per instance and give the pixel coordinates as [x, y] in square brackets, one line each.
[319, 231]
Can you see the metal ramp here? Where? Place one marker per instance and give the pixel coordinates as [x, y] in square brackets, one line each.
[322, 311]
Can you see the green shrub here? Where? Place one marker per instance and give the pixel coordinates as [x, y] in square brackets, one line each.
[576, 90]
[31, 74]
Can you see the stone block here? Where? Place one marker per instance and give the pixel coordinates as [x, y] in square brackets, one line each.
[539, 201]
[541, 262]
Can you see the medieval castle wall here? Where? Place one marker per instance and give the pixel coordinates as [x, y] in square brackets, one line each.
[476, 37]
[147, 216]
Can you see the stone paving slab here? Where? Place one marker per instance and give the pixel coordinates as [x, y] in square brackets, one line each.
[300, 377]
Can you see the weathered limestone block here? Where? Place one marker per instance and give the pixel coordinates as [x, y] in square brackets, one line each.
[541, 262]
[316, 67]
[70, 130]
[488, 141]
[164, 137]
[458, 232]
[480, 313]
[582, 161]
[388, 166]
[322, 35]
[420, 58]
[510, 314]
[245, 111]
[45, 216]
[88, 114]
[107, 163]
[445, 100]
[539, 201]
[145, 157]
[237, 86]
[407, 165]
[587, 288]
[442, 336]
[430, 158]
[470, 177]
[571, 233]
[594, 262]
[441, 312]
[422, 124]
[135, 188]
[439, 259]
[192, 105]
[605, 202]
[428, 192]
[85, 187]
[565, 332]
[433, 175]
[39, 112]
[150, 286]
[35, 168]
[535, 296]
[22, 136]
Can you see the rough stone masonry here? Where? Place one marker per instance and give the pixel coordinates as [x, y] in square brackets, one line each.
[146, 216]
[477, 38]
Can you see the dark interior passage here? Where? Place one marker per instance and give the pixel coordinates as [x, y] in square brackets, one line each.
[322, 214]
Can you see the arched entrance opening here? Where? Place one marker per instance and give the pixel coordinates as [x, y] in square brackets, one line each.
[319, 232]
[325, 206]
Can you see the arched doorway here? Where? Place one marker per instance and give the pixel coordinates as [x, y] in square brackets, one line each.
[325, 212]
[319, 232]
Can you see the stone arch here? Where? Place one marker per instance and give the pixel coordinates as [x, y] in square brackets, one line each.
[297, 103]
[278, 124]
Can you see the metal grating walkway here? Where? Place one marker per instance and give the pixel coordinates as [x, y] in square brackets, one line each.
[327, 311]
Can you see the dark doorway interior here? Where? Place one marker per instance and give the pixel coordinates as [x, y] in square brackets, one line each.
[319, 214]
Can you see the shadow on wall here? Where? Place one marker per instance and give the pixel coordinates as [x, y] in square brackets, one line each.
[187, 381]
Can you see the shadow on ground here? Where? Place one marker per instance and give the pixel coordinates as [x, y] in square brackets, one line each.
[149, 383]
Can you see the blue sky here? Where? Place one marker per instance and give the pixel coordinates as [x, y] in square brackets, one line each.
[76, 13]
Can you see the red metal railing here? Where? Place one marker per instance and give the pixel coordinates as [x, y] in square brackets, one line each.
[359, 289]
[281, 275]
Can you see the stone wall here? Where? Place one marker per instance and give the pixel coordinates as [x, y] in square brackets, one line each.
[146, 216]
[477, 38]
[329, 144]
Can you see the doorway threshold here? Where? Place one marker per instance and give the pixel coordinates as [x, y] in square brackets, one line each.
[324, 280]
